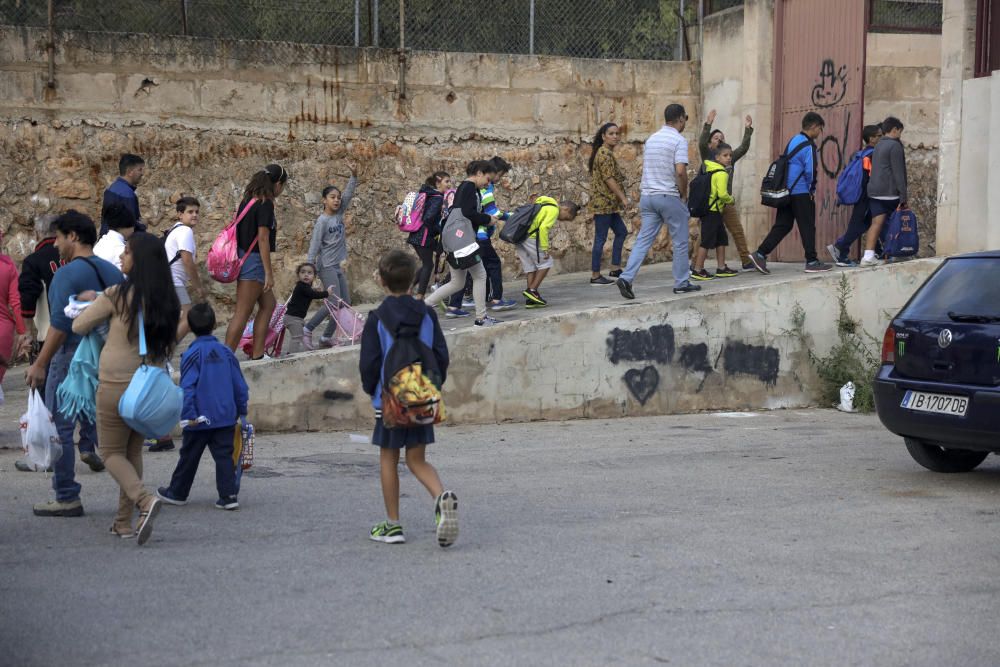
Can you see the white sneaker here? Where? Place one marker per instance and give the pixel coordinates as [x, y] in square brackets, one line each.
[487, 322]
[872, 262]
[468, 303]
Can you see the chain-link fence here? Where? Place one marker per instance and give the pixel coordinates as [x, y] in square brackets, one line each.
[906, 16]
[630, 29]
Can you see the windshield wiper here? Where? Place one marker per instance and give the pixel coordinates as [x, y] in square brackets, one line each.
[965, 317]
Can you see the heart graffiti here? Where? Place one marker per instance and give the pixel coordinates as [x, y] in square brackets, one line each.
[642, 383]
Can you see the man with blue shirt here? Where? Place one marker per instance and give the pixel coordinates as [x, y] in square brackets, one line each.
[131, 169]
[75, 237]
[663, 191]
[801, 209]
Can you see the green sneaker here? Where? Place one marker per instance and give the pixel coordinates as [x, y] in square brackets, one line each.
[446, 518]
[390, 534]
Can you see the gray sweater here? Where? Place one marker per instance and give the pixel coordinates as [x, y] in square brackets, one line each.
[328, 246]
[888, 177]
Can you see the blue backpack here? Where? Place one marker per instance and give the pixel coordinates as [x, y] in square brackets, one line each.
[851, 180]
[901, 237]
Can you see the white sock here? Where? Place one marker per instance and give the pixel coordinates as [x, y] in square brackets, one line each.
[869, 255]
[392, 523]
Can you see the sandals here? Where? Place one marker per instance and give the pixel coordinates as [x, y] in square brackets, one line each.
[145, 527]
[124, 535]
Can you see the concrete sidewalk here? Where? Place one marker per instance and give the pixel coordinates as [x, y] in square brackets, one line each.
[779, 538]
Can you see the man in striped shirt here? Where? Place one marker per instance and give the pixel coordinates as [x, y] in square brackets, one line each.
[663, 193]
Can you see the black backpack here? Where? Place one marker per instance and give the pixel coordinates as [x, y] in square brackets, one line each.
[774, 190]
[515, 230]
[700, 194]
[165, 235]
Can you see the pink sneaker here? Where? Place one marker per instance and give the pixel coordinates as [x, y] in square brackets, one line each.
[307, 339]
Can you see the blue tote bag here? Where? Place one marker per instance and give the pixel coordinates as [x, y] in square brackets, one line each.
[152, 402]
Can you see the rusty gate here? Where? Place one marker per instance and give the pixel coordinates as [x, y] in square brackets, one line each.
[819, 66]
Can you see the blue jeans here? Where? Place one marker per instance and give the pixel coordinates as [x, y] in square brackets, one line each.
[657, 210]
[602, 223]
[63, 471]
[220, 443]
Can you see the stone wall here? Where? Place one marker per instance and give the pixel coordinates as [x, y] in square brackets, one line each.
[205, 114]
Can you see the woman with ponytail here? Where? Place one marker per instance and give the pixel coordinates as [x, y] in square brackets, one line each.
[607, 199]
[256, 240]
[147, 293]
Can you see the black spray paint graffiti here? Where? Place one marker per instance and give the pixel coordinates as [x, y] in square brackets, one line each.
[832, 160]
[643, 384]
[653, 344]
[755, 360]
[832, 86]
[695, 358]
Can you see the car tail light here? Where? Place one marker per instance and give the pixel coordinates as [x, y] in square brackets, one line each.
[889, 346]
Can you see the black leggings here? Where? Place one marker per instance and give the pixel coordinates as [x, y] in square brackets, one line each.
[426, 256]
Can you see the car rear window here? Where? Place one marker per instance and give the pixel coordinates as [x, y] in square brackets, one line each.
[967, 286]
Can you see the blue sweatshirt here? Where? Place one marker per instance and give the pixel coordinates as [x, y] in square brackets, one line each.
[802, 166]
[213, 385]
[120, 192]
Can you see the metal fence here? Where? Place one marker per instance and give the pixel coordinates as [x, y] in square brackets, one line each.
[629, 29]
[906, 16]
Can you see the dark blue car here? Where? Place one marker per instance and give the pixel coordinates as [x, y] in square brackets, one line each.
[939, 384]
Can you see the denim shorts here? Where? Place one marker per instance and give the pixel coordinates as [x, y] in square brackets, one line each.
[253, 267]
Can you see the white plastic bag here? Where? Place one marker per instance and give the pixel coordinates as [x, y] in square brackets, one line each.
[38, 433]
[847, 398]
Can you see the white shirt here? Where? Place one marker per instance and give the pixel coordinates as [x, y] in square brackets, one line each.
[665, 149]
[181, 237]
[110, 248]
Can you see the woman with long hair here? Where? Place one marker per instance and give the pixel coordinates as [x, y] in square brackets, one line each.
[148, 291]
[11, 322]
[607, 200]
[425, 240]
[255, 241]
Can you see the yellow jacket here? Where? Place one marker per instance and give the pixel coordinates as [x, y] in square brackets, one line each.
[544, 219]
[720, 197]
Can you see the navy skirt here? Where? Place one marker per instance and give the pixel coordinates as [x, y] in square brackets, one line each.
[399, 438]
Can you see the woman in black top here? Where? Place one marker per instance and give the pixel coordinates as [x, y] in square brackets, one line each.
[467, 198]
[255, 240]
[425, 239]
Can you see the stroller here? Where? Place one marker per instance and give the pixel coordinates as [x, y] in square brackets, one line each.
[275, 333]
[349, 322]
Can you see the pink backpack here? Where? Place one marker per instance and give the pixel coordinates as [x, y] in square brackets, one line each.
[223, 260]
[410, 214]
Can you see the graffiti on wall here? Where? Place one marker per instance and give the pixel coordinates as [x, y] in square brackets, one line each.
[831, 87]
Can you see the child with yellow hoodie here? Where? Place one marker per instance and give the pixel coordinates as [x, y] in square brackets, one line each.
[713, 231]
[534, 250]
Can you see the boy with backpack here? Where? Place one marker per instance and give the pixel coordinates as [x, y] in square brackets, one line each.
[215, 398]
[533, 248]
[709, 196]
[887, 187]
[404, 362]
[794, 196]
[181, 253]
[852, 189]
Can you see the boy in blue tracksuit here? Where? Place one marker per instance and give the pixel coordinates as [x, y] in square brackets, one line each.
[861, 215]
[215, 398]
[801, 209]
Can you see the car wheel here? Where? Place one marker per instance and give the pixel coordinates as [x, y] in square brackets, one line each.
[940, 459]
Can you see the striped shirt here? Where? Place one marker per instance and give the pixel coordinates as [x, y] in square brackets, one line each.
[664, 149]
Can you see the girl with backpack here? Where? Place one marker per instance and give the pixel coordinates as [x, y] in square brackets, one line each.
[147, 298]
[256, 239]
[425, 240]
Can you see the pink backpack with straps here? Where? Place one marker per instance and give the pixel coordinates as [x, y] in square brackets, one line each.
[223, 260]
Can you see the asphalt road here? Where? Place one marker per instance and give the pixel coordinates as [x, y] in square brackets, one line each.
[790, 537]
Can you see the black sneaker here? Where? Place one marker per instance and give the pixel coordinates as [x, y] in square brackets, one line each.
[701, 275]
[817, 266]
[617, 273]
[532, 296]
[92, 460]
[760, 263]
[687, 287]
[749, 266]
[726, 272]
[625, 287]
[163, 445]
[230, 503]
[601, 280]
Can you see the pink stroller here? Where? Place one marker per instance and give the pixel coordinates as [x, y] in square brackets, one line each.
[349, 322]
[275, 333]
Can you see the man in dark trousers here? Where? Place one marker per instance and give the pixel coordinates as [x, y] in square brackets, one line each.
[33, 284]
[801, 210]
[131, 169]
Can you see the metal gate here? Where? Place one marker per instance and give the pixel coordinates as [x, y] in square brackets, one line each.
[819, 66]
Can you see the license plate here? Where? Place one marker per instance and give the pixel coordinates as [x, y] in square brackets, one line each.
[942, 404]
